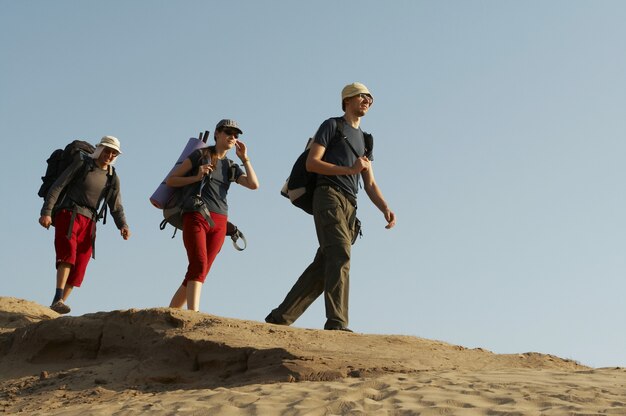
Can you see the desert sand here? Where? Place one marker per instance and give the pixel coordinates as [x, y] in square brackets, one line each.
[174, 362]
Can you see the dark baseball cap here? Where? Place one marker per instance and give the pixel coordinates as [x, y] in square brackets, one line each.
[228, 123]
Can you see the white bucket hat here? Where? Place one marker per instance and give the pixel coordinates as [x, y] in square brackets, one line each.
[112, 142]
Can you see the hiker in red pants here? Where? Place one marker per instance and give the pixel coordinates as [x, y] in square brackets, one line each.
[206, 175]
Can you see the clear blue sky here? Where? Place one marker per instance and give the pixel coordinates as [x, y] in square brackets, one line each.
[500, 139]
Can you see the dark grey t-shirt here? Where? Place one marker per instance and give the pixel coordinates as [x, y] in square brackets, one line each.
[339, 153]
[216, 188]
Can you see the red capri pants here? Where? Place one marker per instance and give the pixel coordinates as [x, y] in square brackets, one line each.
[77, 250]
[202, 243]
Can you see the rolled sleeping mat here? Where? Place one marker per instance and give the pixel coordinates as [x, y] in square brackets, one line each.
[164, 192]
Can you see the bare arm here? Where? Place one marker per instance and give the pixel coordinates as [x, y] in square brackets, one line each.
[178, 179]
[376, 196]
[249, 179]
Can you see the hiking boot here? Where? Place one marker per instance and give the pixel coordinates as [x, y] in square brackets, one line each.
[60, 307]
[271, 320]
[339, 328]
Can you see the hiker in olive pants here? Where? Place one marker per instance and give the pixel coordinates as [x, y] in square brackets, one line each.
[340, 162]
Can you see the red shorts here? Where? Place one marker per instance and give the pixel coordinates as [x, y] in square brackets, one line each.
[202, 243]
[77, 250]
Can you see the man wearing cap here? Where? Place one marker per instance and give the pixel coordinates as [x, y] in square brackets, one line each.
[338, 163]
[75, 215]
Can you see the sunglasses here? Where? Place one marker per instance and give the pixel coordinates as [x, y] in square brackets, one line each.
[231, 132]
[110, 151]
[368, 98]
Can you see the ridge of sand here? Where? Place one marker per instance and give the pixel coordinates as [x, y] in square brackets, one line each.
[103, 356]
[170, 346]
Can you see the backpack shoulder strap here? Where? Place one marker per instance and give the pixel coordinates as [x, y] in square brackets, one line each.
[111, 173]
[232, 170]
[197, 157]
[339, 134]
[369, 142]
[106, 195]
[81, 172]
[87, 166]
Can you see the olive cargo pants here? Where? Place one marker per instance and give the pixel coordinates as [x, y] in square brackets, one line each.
[329, 273]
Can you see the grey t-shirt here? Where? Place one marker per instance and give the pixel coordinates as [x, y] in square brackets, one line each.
[339, 153]
[216, 187]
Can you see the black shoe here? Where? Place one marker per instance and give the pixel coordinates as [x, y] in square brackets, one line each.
[271, 320]
[338, 328]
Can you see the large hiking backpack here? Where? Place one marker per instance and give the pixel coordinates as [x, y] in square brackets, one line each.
[300, 184]
[61, 159]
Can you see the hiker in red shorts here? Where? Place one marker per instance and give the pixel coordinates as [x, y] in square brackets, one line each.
[72, 202]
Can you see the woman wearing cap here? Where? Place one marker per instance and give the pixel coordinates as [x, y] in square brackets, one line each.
[84, 183]
[209, 171]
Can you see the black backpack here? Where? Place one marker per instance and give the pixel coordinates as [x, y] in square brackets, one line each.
[61, 159]
[300, 184]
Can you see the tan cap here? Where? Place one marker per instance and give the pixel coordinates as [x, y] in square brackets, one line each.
[112, 142]
[353, 89]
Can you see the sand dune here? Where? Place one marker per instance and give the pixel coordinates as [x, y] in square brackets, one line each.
[172, 362]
